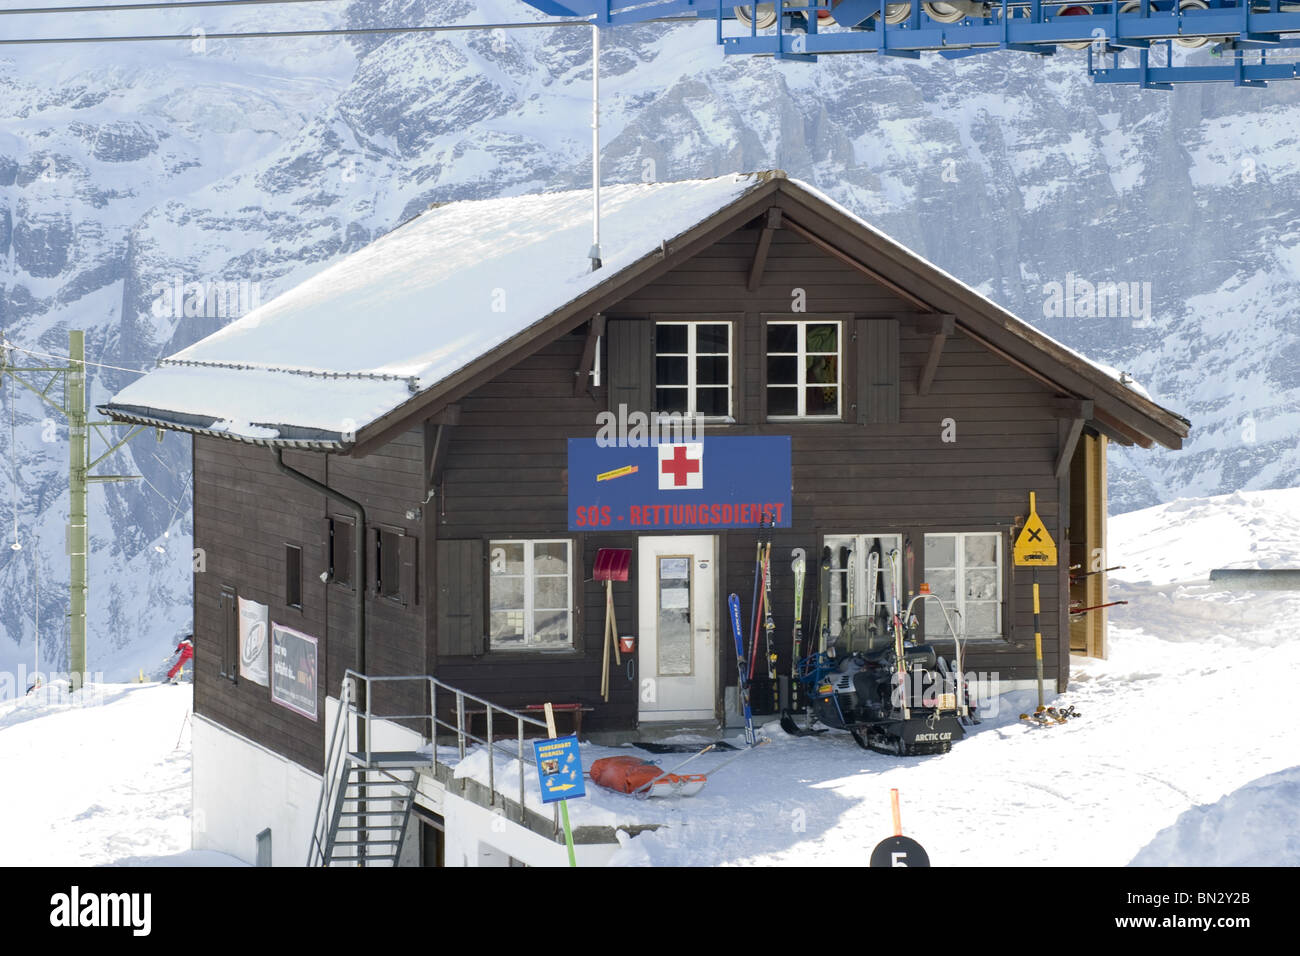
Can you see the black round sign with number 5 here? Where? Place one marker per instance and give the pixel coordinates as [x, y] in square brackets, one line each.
[899, 851]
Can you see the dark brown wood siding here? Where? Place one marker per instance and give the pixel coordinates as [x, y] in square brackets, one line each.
[505, 470]
[245, 512]
[504, 476]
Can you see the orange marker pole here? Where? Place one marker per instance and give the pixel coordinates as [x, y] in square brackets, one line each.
[898, 817]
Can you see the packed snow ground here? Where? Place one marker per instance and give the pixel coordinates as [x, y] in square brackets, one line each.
[101, 778]
[1164, 767]
[1186, 752]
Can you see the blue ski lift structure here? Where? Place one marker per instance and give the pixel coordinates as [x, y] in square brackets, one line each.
[1152, 44]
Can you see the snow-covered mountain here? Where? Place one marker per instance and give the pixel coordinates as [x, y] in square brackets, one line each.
[129, 173]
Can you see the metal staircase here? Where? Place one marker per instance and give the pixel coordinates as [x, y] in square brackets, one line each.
[364, 809]
[367, 794]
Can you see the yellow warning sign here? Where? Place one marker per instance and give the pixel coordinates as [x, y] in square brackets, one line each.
[1034, 546]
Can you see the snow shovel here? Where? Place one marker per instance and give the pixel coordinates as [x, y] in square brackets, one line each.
[611, 565]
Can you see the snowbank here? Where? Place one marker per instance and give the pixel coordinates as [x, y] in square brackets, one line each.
[1256, 825]
[105, 778]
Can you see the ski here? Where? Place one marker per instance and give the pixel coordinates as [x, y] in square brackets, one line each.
[756, 608]
[798, 565]
[846, 558]
[742, 668]
[872, 608]
[824, 611]
[769, 628]
[794, 730]
[900, 656]
[911, 568]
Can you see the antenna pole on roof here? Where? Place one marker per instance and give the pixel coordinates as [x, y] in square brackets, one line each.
[594, 254]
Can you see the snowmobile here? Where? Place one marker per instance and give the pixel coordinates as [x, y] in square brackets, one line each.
[893, 694]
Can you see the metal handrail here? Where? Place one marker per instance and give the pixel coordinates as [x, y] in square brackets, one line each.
[316, 855]
[461, 728]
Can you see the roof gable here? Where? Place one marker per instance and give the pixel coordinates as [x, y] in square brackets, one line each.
[364, 348]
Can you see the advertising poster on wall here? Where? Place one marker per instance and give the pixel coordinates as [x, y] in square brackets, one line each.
[254, 649]
[293, 670]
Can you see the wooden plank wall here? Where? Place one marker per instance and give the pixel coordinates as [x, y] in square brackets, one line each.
[505, 469]
[504, 476]
[245, 512]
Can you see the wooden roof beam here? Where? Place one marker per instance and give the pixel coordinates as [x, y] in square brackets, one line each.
[837, 253]
[1113, 424]
[771, 223]
[942, 329]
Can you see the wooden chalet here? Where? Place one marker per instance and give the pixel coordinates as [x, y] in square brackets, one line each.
[389, 464]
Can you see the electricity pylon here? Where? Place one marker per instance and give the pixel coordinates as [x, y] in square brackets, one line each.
[73, 406]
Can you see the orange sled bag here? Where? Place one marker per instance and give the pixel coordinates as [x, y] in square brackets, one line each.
[624, 774]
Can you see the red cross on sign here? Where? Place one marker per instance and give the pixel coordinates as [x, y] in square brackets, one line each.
[681, 466]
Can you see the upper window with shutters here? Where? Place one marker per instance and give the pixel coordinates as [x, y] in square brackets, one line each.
[805, 361]
[693, 369]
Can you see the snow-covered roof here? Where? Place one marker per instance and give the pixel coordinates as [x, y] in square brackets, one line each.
[361, 337]
[352, 344]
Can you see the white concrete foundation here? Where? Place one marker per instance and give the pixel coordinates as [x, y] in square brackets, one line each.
[241, 789]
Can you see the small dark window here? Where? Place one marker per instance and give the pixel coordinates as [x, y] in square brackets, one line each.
[293, 576]
[388, 562]
[229, 634]
[341, 533]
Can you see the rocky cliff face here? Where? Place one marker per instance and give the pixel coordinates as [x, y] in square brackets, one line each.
[133, 178]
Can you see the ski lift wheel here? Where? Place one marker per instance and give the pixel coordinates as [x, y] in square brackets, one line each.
[766, 15]
[952, 11]
[1076, 10]
[895, 13]
[1193, 43]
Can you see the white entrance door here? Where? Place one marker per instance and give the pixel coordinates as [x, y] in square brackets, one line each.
[677, 633]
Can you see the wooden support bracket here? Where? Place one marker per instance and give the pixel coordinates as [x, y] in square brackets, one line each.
[771, 223]
[582, 375]
[939, 327]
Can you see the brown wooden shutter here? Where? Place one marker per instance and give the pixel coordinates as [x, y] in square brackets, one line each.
[630, 375]
[877, 371]
[578, 590]
[461, 630]
[409, 553]
[229, 627]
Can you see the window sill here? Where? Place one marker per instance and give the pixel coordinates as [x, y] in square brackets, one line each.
[519, 654]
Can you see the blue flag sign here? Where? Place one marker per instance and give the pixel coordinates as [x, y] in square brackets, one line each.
[739, 481]
[559, 768]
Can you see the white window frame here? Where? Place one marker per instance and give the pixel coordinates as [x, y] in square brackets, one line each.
[959, 583]
[691, 354]
[801, 370]
[530, 642]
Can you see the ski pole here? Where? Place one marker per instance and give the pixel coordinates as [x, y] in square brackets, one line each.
[1088, 574]
[736, 756]
[669, 773]
[1095, 607]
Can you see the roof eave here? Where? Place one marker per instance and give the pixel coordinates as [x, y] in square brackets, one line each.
[195, 425]
[376, 433]
[1169, 427]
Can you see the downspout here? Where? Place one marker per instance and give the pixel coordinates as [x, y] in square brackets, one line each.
[358, 554]
[359, 613]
